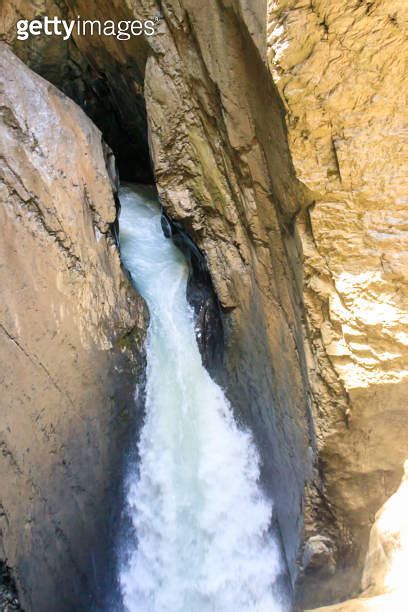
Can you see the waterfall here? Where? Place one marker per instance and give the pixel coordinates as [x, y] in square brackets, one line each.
[201, 521]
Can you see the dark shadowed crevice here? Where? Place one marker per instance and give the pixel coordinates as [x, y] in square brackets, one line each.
[111, 95]
[202, 298]
[122, 123]
[8, 592]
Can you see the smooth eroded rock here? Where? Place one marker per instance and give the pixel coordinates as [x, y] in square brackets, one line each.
[71, 330]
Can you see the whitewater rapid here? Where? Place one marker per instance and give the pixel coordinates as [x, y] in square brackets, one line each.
[202, 541]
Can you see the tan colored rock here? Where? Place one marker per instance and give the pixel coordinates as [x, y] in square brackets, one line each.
[66, 375]
[341, 72]
[387, 557]
[384, 582]
[381, 603]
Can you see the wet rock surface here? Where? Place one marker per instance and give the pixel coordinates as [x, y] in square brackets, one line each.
[8, 592]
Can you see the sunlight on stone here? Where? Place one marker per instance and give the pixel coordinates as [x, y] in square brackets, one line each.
[387, 558]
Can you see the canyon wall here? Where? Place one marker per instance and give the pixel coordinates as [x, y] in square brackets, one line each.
[223, 169]
[71, 332]
[276, 134]
[384, 576]
[341, 71]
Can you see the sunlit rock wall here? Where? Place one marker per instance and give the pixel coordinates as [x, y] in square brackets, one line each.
[342, 76]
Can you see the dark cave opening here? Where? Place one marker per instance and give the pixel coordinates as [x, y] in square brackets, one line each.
[121, 117]
[110, 94]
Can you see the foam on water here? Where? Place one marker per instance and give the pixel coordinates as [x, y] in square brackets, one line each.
[201, 521]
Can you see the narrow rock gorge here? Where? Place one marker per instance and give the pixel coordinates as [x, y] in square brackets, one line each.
[274, 133]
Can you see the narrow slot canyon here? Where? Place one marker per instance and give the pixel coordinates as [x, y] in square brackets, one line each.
[197, 473]
[120, 115]
[202, 330]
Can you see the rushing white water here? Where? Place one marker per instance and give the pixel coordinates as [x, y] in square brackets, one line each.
[202, 522]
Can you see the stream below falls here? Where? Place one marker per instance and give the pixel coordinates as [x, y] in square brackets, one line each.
[202, 540]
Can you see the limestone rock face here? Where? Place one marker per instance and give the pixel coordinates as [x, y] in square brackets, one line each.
[341, 73]
[384, 581]
[387, 557]
[381, 603]
[66, 374]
